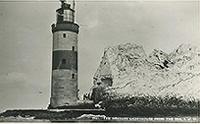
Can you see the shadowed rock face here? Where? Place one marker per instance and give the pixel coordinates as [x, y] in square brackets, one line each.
[97, 94]
[126, 69]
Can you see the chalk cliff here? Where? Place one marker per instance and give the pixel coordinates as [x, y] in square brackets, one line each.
[126, 69]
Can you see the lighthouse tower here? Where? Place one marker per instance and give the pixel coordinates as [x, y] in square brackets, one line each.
[64, 84]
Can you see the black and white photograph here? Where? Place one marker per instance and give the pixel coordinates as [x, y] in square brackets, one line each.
[110, 61]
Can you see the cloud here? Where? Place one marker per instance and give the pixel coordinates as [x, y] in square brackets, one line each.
[18, 90]
[13, 77]
[93, 23]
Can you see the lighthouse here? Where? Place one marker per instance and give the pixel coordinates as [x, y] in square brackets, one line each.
[64, 81]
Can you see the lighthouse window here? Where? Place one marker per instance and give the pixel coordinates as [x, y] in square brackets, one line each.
[63, 61]
[73, 76]
[64, 35]
[73, 48]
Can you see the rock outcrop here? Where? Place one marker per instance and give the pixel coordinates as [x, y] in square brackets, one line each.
[126, 69]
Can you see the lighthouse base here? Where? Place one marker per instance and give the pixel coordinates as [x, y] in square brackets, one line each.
[81, 104]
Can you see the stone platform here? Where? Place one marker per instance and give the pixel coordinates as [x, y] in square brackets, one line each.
[51, 114]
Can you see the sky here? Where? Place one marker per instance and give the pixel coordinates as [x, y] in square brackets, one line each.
[26, 40]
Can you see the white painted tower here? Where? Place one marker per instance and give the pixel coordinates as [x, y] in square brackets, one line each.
[64, 84]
